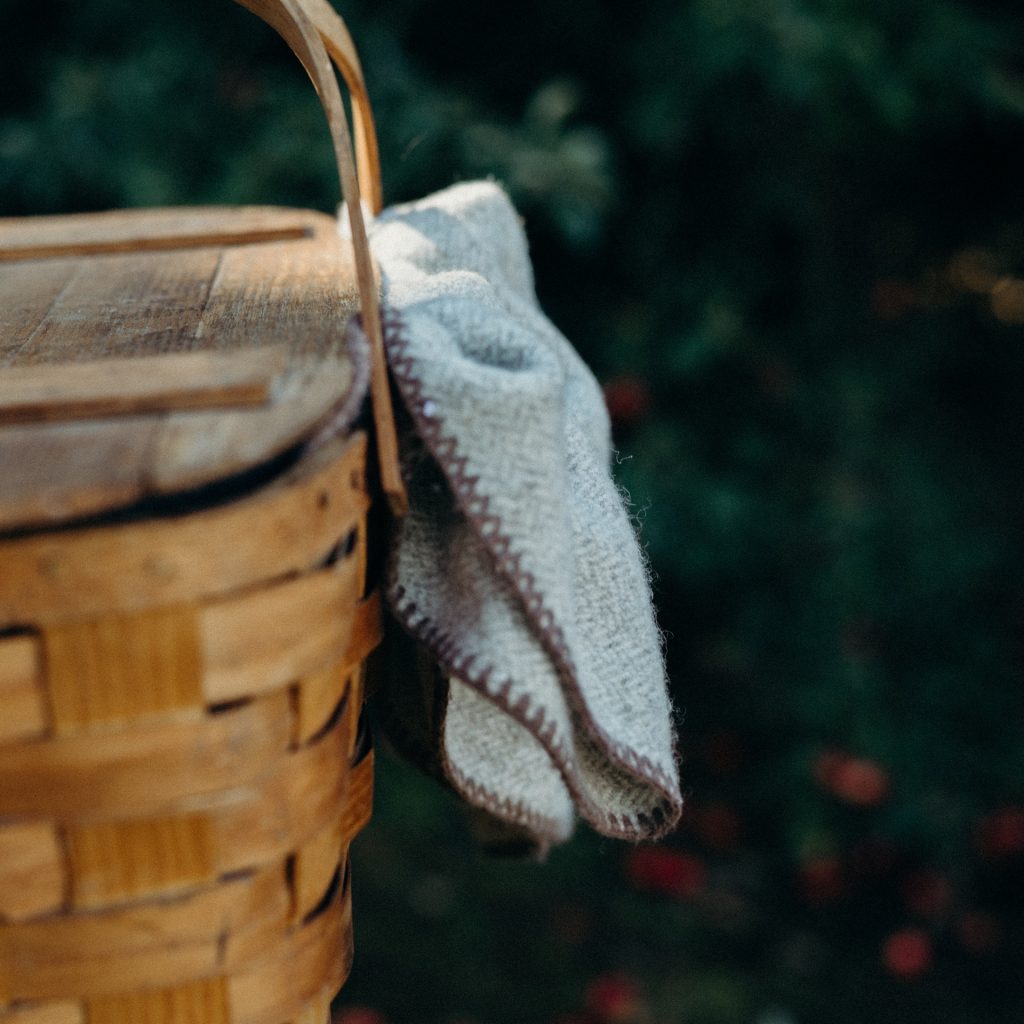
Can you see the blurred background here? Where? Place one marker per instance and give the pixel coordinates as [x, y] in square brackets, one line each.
[788, 235]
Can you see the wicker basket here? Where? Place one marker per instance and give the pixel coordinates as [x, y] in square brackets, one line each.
[181, 763]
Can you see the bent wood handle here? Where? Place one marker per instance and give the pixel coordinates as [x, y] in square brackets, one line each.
[317, 35]
[293, 20]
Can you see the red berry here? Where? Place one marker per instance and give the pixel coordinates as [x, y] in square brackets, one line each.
[1002, 832]
[358, 1015]
[907, 953]
[662, 870]
[613, 999]
[628, 399]
[860, 782]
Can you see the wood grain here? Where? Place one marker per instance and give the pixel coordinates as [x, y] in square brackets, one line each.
[27, 293]
[249, 645]
[122, 668]
[298, 292]
[53, 473]
[260, 641]
[286, 528]
[149, 945]
[32, 877]
[113, 861]
[21, 694]
[124, 305]
[145, 435]
[201, 1002]
[124, 387]
[118, 231]
[45, 1013]
[147, 770]
[249, 826]
[315, 959]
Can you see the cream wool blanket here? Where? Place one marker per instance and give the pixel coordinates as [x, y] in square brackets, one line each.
[517, 567]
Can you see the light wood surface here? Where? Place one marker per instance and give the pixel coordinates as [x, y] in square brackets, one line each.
[89, 234]
[148, 283]
[255, 329]
[125, 387]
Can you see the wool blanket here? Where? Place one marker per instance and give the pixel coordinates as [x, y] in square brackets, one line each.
[517, 570]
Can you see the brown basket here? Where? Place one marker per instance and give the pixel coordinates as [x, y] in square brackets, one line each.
[181, 765]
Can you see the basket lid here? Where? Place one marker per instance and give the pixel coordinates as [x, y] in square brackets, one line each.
[152, 351]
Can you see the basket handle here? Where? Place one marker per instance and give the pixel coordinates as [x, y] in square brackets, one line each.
[317, 35]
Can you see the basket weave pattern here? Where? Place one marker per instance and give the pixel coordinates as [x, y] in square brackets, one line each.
[181, 769]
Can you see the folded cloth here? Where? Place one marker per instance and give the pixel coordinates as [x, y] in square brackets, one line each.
[517, 567]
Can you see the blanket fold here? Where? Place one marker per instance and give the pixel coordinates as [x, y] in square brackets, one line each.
[517, 567]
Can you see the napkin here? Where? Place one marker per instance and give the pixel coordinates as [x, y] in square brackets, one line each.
[542, 692]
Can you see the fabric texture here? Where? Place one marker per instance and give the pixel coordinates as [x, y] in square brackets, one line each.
[517, 568]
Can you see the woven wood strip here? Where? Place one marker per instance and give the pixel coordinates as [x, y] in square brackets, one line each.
[38, 238]
[57, 392]
[314, 864]
[367, 631]
[287, 528]
[152, 945]
[317, 1012]
[148, 770]
[32, 877]
[295, 806]
[250, 644]
[309, 804]
[359, 804]
[113, 861]
[205, 1002]
[267, 639]
[294, 981]
[314, 959]
[316, 699]
[242, 828]
[122, 667]
[21, 695]
[48, 1013]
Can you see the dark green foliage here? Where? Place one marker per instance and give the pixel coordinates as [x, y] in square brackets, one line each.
[790, 235]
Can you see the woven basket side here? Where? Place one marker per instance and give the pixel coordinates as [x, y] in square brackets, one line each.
[182, 773]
